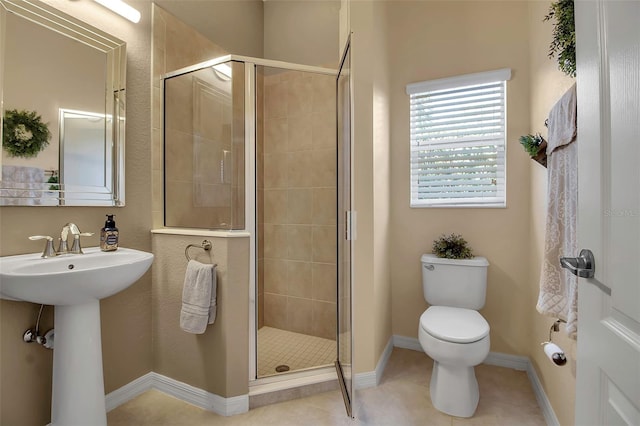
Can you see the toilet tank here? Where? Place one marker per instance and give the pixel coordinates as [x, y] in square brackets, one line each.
[460, 283]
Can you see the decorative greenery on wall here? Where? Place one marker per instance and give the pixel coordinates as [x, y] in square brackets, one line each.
[536, 147]
[24, 134]
[531, 143]
[563, 43]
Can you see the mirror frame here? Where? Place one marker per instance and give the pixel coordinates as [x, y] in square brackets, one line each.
[115, 83]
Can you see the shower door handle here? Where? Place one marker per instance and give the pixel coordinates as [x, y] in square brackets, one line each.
[349, 225]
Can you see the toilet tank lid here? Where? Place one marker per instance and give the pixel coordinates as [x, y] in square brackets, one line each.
[457, 325]
[432, 258]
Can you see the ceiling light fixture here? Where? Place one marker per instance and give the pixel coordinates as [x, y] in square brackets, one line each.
[122, 9]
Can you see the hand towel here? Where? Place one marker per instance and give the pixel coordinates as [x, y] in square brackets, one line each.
[198, 297]
[558, 295]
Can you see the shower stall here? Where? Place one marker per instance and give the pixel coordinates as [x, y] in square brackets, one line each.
[250, 144]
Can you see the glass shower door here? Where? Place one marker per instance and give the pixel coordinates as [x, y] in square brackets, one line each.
[344, 321]
[204, 146]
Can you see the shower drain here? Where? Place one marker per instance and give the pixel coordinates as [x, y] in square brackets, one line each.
[282, 368]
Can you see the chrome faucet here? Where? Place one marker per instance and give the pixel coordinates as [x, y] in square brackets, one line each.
[62, 245]
[64, 234]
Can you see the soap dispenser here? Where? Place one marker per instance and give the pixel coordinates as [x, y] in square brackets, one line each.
[109, 235]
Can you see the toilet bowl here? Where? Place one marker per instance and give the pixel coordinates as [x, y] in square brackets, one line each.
[452, 332]
[457, 339]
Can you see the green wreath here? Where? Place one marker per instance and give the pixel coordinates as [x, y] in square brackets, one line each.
[24, 134]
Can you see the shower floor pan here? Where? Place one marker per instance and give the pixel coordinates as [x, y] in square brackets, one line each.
[278, 348]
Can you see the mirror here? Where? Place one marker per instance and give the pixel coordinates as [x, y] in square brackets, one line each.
[62, 75]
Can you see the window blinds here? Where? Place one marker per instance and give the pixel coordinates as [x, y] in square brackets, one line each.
[458, 144]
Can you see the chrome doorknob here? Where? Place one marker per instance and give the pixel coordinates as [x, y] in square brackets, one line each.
[583, 266]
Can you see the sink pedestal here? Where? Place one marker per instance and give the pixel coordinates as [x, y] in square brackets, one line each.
[78, 384]
[74, 284]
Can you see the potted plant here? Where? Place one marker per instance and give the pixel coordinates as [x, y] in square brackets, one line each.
[536, 147]
[452, 246]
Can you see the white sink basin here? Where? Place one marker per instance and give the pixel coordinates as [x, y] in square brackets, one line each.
[74, 283]
[71, 279]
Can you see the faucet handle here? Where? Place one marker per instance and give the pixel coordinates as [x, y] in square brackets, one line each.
[62, 245]
[48, 249]
[40, 237]
[75, 248]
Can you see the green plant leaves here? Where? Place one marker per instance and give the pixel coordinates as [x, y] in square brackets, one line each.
[531, 143]
[452, 246]
[563, 43]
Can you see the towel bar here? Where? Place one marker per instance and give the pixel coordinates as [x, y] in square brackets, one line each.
[205, 245]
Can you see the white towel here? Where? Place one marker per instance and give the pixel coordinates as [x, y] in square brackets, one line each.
[558, 295]
[198, 297]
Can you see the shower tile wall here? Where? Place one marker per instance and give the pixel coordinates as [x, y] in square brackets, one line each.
[175, 45]
[298, 191]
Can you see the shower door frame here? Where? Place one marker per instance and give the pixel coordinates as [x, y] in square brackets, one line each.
[251, 205]
[251, 182]
[302, 377]
[346, 232]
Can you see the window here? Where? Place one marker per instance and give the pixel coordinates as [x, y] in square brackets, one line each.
[458, 128]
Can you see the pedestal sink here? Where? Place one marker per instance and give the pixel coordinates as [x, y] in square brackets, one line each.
[74, 284]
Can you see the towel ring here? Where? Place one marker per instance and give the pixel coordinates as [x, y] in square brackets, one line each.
[205, 245]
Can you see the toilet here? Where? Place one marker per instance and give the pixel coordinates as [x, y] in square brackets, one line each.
[452, 331]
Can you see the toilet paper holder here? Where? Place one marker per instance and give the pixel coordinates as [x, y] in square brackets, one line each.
[553, 351]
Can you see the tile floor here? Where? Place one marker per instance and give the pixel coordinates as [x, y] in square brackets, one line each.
[402, 398]
[298, 351]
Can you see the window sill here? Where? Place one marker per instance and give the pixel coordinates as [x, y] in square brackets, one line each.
[459, 206]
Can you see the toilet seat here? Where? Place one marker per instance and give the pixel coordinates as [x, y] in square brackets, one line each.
[456, 325]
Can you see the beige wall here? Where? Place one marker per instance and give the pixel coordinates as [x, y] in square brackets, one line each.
[440, 39]
[381, 116]
[371, 144]
[218, 360]
[303, 32]
[547, 86]
[235, 26]
[25, 378]
[298, 248]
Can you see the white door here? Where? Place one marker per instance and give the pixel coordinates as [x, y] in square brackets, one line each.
[608, 64]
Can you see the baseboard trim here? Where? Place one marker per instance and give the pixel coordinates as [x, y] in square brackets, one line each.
[187, 393]
[516, 362]
[129, 391]
[240, 404]
[541, 396]
[372, 378]
[382, 363]
[407, 343]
